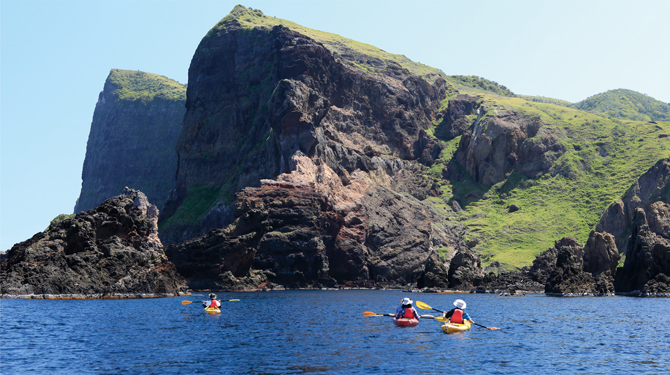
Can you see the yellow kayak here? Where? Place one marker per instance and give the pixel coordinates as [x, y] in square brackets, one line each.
[456, 327]
[212, 310]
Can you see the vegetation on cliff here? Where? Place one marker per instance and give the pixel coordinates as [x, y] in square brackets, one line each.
[362, 55]
[142, 86]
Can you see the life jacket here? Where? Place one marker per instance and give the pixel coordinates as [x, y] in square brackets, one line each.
[457, 316]
[409, 313]
[214, 303]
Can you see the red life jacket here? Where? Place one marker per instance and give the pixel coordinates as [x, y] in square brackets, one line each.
[409, 313]
[214, 303]
[457, 317]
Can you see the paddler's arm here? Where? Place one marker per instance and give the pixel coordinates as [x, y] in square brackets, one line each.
[467, 317]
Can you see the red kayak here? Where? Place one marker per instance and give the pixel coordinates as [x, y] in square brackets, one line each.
[404, 322]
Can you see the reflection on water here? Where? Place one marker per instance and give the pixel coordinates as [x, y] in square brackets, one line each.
[324, 332]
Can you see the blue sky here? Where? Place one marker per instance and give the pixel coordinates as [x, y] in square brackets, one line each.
[55, 56]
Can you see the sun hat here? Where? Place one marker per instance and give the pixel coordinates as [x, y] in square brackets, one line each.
[212, 296]
[406, 301]
[460, 304]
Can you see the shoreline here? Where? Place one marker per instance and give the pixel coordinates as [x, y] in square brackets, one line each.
[93, 296]
[501, 293]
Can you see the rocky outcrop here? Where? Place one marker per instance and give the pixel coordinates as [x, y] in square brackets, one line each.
[299, 231]
[455, 121]
[651, 193]
[113, 249]
[600, 254]
[498, 143]
[568, 278]
[132, 141]
[258, 96]
[647, 265]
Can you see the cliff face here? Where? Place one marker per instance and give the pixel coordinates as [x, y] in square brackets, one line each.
[259, 96]
[112, 249]
[314, 162]
[132, 141]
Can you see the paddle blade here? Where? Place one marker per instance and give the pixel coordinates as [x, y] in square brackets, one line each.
[492, 328]
[231, 300]
[369, 313]
[186, 302]
[442, 319]
[428, 316]
[423, 306]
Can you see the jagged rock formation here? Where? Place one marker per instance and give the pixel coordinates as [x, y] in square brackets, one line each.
[647, 266]
[492, 147]
[289, 232]
[113, 249]
[132, 141]
[567, 269]
[600, 254]
[651, 193]
[568, 277]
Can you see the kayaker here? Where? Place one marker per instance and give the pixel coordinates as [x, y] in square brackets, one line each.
[213, 301]
[457, 315]
[406, 310]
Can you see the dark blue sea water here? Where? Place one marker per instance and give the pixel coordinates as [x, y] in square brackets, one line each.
[324, 332]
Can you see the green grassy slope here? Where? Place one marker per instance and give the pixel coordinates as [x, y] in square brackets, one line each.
[143, 86]
[479, 84]
[358, 54]
[543, 99]
[604, 157]
[626, 104]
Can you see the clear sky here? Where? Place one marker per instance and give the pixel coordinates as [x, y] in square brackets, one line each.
[55, 56]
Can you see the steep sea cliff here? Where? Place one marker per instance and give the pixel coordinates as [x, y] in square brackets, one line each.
[135, 127]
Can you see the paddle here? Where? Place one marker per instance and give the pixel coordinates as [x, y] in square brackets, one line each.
[190, 302]
[425, 306]
[438, 318]
[370, 313]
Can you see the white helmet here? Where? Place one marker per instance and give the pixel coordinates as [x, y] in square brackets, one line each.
[460, 304]
[406, 301]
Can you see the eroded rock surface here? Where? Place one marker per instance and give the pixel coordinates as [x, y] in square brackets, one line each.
[651, 193]
[112, 249]
[647, 265]
[568, 278]
[494, 146]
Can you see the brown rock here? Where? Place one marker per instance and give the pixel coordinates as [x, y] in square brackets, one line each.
[600, 254]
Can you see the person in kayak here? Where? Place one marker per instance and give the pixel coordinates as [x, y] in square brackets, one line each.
[213, 301]
[457, 315]
[406, 310]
